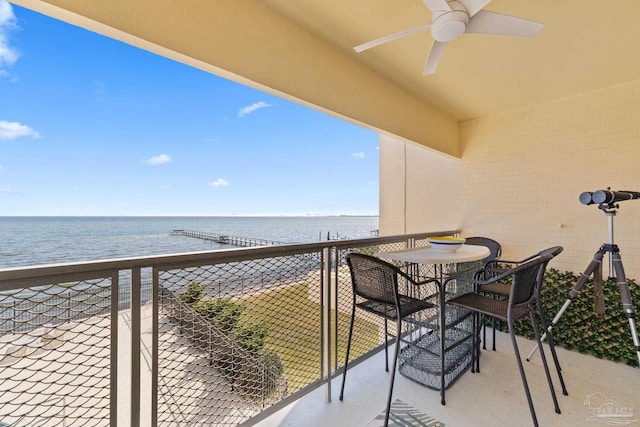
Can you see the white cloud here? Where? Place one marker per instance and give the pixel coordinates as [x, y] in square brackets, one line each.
[8, 56]
[219, 183]
[158, 160]
[12, 130]
[251, 108]
[1, 167]
[358, 155]
[6, 13]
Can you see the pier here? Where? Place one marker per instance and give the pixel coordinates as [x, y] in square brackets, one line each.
[226, 239]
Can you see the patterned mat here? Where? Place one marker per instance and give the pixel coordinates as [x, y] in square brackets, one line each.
[403, 415]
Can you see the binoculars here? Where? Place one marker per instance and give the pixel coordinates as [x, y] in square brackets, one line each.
[607, 196]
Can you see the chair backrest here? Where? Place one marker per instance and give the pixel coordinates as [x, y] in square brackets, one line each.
[373, 278]
[525, 279]
[493, 246]
[551, 252]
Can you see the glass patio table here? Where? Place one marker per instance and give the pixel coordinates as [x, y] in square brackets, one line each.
[440, 348]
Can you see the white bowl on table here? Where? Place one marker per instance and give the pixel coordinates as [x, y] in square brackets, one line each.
[446, 244]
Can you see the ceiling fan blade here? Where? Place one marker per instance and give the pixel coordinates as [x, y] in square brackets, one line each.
[474, 6]
[386, 39]
[437, 5]
[434, 57]
[496, 23]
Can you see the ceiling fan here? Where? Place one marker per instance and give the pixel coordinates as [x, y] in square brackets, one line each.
[452, 18]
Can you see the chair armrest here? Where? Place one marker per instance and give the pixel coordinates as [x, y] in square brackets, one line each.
[505, 261]
[424, 282]
[478, 282]
[465, 279]
[492, 270]
[496, 262]
[416, 282]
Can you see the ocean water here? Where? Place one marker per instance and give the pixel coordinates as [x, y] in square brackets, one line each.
[27, 241]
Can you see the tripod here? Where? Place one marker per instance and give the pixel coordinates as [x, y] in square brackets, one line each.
[594, 268]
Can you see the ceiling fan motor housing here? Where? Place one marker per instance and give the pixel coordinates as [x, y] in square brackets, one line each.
[449, 25]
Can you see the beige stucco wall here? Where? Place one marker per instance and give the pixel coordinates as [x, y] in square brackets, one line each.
[520, 176]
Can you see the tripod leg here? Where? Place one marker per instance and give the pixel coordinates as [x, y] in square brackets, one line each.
[625, 297]
[593, 266]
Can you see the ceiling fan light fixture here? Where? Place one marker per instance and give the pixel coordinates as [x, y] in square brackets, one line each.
[448, 26]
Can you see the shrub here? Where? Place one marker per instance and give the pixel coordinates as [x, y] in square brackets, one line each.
[222, 313]
[256, 379]
[193, 293]
[252, 336]
[273, 362]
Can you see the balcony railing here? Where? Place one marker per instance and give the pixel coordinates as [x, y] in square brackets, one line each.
[219, 338]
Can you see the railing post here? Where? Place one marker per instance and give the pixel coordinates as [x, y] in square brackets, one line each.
[115, 299]
[325, 319]
[335, 293]
[155, 353]
[136, 285]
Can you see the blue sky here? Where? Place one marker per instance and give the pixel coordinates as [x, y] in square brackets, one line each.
[92, 126]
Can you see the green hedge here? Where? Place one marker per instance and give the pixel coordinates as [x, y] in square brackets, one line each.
[579, 328]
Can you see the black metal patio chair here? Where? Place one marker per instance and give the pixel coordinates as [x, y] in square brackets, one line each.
[501, 290]
[376, 289]
[521, 303]
[495, 251]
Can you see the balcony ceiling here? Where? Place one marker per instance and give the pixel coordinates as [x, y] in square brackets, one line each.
[584, 45]
[303, 50]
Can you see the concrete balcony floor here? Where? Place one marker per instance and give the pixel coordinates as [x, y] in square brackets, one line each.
[493, 397]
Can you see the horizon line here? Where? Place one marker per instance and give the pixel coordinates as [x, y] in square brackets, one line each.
[195, 216]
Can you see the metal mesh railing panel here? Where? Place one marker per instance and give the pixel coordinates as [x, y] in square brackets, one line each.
[235, 338]
[55, 346]
[262, 332]
[368, 331]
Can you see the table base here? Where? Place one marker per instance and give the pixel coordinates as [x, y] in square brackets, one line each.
[420, 360]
